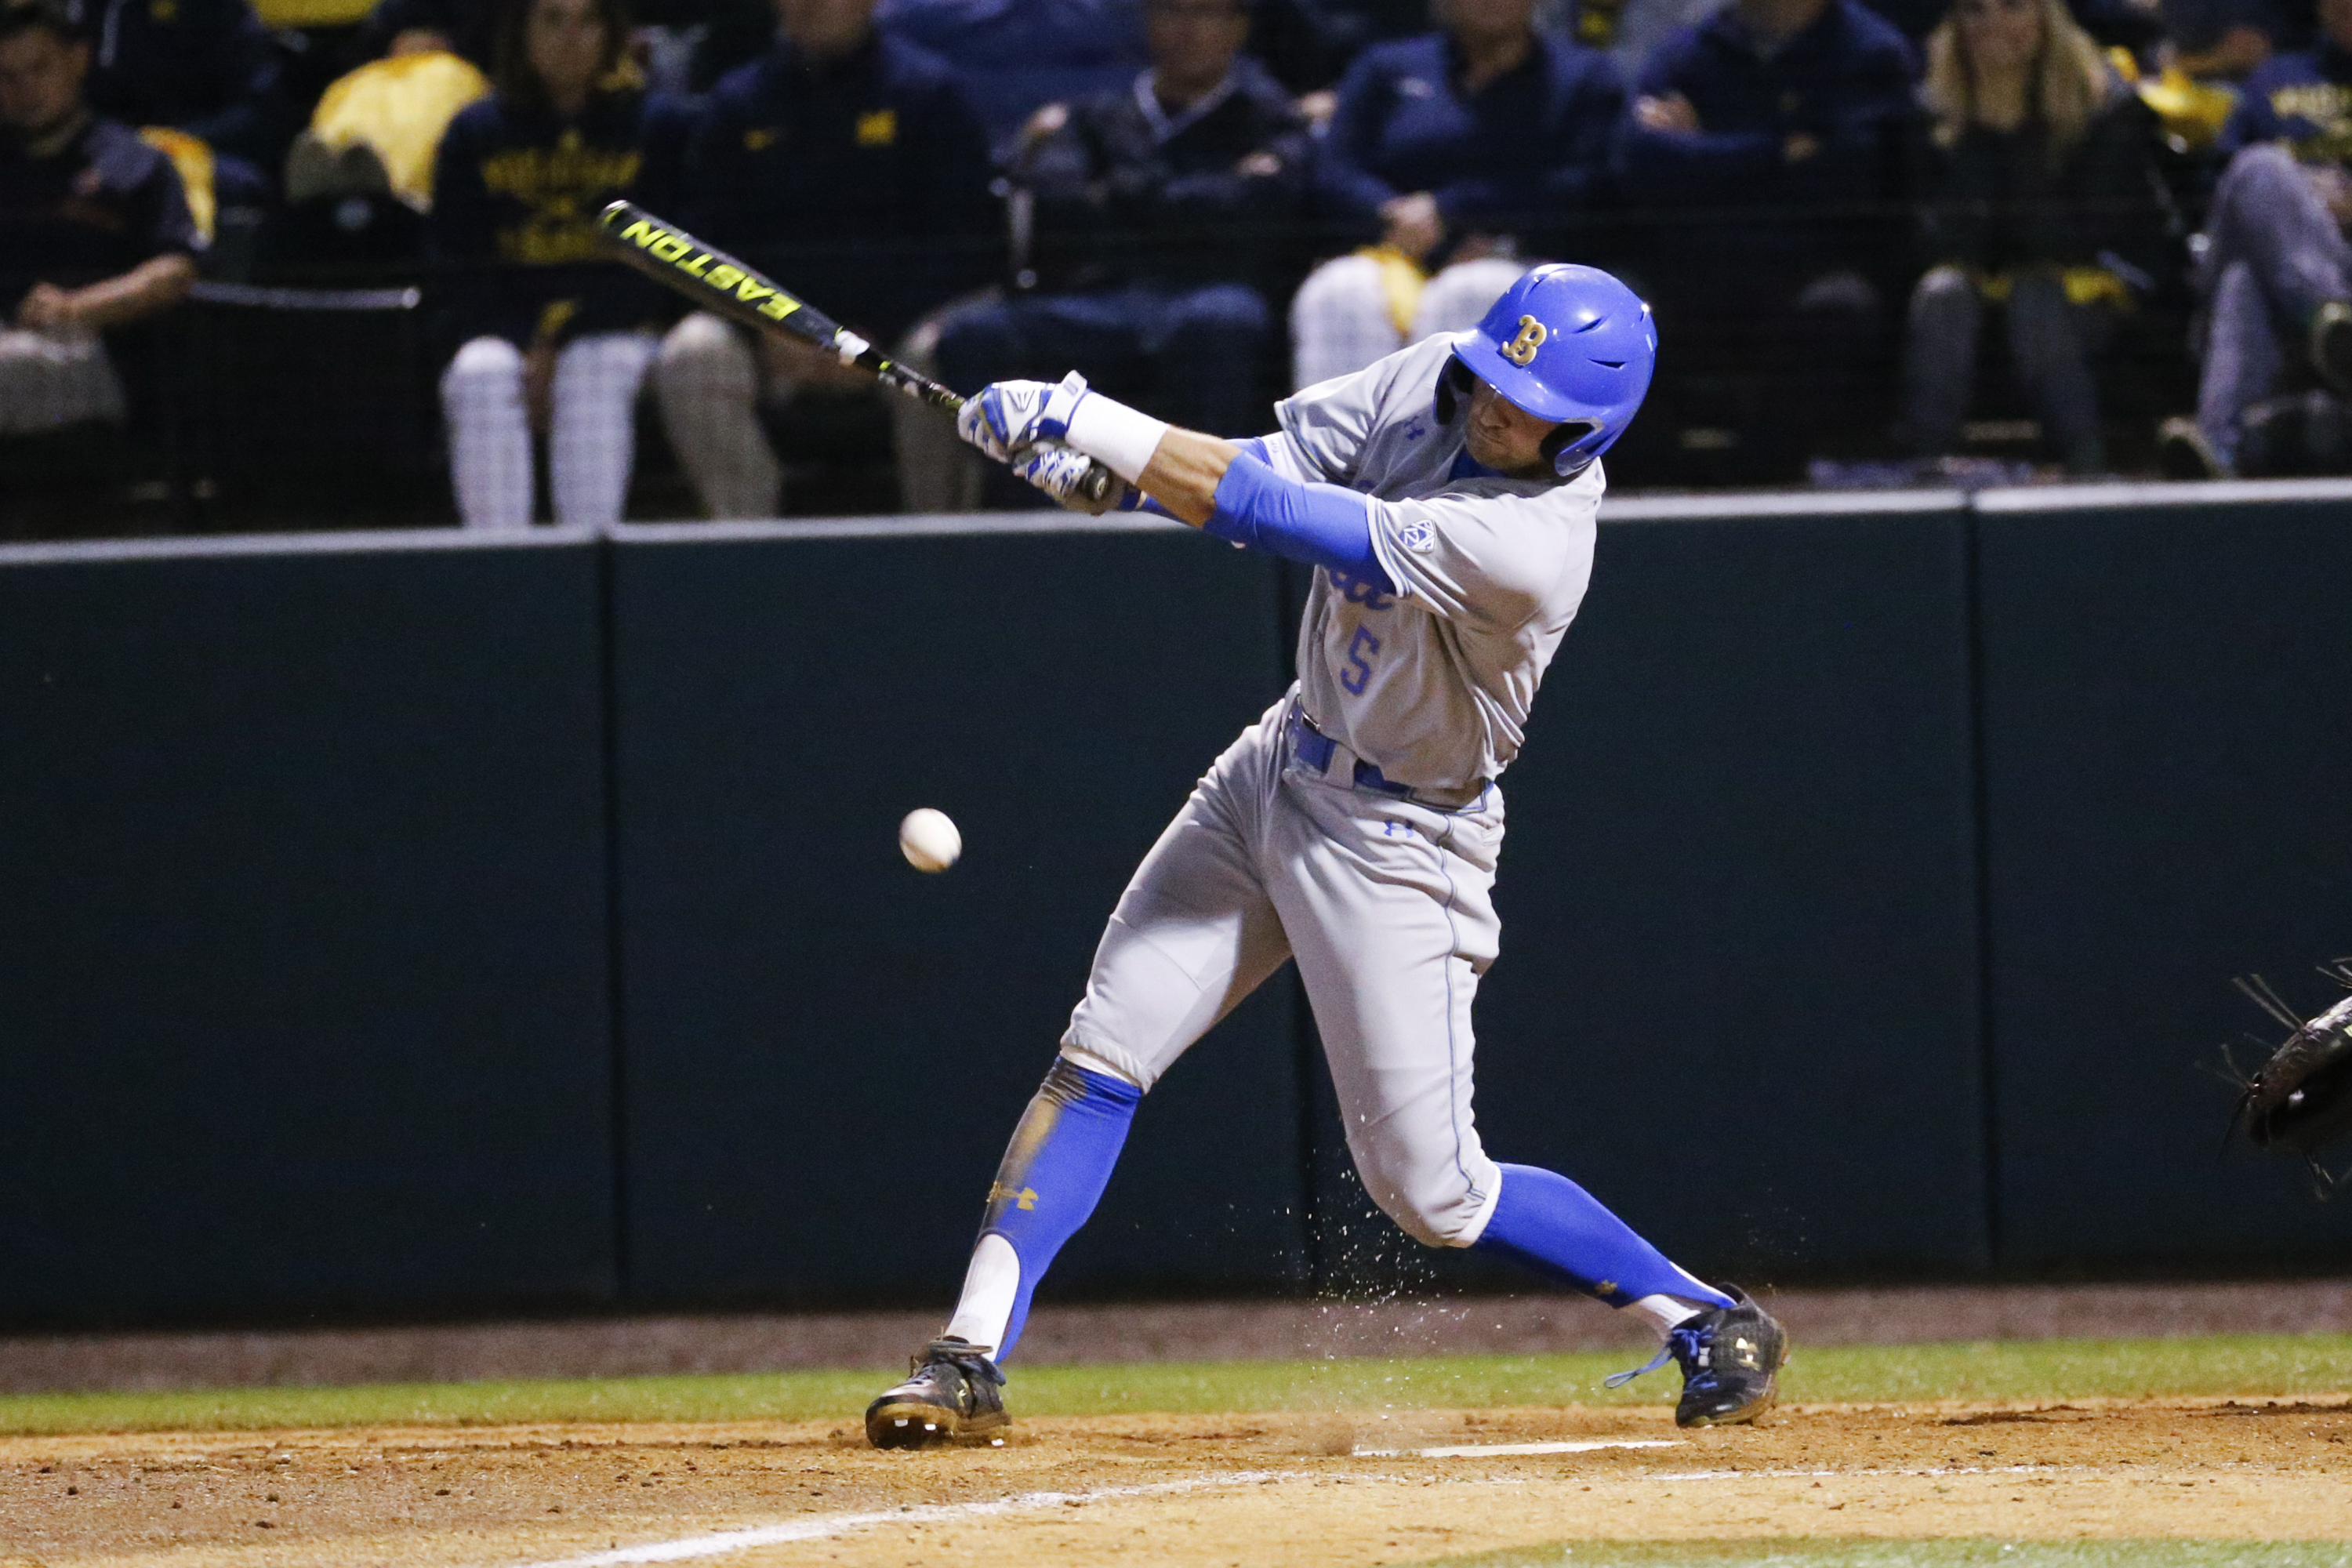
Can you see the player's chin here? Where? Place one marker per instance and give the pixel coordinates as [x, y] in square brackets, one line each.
[1502, 457]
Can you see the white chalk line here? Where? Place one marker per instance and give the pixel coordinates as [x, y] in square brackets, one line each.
[1490, 1451]
[723, 1542]
[719, 1545]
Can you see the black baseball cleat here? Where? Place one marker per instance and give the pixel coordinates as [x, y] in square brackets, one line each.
[1731, 1359]
[949, 1397]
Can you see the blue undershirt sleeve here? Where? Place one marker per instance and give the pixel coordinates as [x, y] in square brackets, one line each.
[1321, 525]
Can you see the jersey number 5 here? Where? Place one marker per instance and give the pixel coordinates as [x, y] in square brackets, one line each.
[1360, 661]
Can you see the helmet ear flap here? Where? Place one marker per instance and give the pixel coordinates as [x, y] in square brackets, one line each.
[1562, 437]
[1453, 386]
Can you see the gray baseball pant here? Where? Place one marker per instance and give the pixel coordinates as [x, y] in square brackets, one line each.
[1385, 904]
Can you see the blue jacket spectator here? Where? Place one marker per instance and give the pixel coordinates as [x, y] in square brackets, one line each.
[1163, 212]
[1809, 120]
[1011, 56]
[1126, 191]
[1769, 136]
[1515, 156]
[205, 66]
[1463, 154]
[861, 181]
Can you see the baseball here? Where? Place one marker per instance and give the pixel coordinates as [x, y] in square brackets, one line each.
[929, 839]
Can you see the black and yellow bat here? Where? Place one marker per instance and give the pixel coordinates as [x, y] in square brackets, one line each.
[728, 287]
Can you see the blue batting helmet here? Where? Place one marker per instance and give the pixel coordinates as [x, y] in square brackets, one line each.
[1570, 344]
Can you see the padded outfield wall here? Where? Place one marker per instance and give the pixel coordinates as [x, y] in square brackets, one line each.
[423, 925]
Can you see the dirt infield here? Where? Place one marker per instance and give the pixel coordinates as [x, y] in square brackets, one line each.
[1177, 1490]
[1207, 1331]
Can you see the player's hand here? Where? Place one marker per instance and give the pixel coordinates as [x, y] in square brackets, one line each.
[1062, 473]
[1010, 416]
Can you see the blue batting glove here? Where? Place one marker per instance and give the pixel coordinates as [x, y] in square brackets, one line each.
[1061, 473]
[1008, 416]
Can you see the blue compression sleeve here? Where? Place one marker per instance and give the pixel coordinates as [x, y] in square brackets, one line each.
[1547, 1222]
[1054, 1171]
[1322, 525]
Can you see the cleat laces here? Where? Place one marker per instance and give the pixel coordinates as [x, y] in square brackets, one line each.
[1686, 1343]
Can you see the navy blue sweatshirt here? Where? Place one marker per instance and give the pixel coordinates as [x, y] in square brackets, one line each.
[206, 67]
[1528, 148]
[2302, 98]
[516, 192]
[861, 184]
[1124, 194]
[1844, 80]
[96, 208]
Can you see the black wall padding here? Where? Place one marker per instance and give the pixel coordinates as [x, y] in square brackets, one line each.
[825, 1049]
[1737, 990]
[2168, 784]
[302, 935]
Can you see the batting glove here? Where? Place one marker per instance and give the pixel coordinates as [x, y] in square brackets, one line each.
[1062, 473]
[1008, 416]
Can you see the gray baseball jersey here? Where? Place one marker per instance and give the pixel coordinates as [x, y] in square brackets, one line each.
[1433, 684]
[1281, 853]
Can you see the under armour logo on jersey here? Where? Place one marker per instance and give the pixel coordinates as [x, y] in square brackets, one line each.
[1521, 351]
[1418, 537]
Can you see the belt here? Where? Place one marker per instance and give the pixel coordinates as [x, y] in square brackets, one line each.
[1319, 751]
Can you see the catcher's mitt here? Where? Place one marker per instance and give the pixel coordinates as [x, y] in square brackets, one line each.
[2300, 1100]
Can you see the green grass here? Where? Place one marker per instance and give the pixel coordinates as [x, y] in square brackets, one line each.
[1978, 1553]
[2054, 1369]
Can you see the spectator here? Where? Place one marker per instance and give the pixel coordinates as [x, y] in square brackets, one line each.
[1458, 149]
[2219, 39]
[1163, 218]
[467, 28]
[2276, 271]
[1771, 130]
[94, 231]
[555, 338]
[2033, 178]
[846, 164]
[205, 67]
[1011, 58]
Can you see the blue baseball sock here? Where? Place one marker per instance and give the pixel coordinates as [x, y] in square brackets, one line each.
[1053, 1173]
[1550, 1224]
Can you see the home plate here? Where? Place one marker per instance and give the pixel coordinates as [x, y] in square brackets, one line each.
[1486, 1450]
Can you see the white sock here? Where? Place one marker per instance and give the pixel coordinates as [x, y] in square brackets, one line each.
[1663, 1312]
[989, 1286]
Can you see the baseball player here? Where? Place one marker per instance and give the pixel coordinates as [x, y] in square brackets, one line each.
[1446, 496]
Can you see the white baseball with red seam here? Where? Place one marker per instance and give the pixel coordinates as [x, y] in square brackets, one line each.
[929, 839]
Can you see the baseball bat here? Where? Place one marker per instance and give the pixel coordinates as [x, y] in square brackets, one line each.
[732, 287]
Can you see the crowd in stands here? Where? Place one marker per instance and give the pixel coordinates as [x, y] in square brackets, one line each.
[1870, 229]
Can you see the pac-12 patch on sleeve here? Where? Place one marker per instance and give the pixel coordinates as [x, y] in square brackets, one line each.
[1418, 537]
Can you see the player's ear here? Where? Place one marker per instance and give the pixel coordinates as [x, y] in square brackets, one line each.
[1453, 386]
